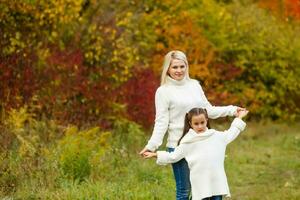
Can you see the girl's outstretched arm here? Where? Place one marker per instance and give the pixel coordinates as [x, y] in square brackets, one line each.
[164, 157]
[236, 127]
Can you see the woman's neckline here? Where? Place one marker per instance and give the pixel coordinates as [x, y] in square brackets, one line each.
[175, 82]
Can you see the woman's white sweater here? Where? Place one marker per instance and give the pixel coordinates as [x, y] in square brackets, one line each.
[205, 154]
[172, 101]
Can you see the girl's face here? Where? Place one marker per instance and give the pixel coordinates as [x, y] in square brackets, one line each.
[177, 69]
[198, 123]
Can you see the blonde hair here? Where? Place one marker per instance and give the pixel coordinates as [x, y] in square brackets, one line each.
[179, 55]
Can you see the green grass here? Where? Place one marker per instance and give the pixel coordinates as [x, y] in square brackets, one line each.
[262, 163]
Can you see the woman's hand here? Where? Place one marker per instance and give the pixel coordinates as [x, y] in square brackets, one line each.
[242, 113]
[238, 110]
[149, 154]
[144, 151]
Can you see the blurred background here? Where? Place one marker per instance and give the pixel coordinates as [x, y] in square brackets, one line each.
[77, 85]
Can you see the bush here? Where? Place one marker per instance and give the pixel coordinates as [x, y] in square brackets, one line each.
[257, 57]
[138, 95]
[8, 176]
[80, 150]
[25, 156]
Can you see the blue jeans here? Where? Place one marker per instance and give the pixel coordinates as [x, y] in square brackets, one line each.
[214, 198]
[181, 173]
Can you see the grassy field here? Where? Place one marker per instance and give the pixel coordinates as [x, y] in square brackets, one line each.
[263, 163]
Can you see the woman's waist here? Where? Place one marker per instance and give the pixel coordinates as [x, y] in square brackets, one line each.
[174, 132]
[175, 126]
[173, 137]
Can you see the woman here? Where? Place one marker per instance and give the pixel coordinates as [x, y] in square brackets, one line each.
[176, 95]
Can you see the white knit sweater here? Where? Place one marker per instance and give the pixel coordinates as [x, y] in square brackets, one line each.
[205, 154]
[172, 101]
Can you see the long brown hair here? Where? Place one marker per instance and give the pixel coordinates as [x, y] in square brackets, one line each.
[188, 120]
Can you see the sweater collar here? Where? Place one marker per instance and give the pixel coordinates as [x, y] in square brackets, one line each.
[172, 81]
[192, 136]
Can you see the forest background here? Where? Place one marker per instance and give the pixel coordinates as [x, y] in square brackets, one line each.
[77, 85]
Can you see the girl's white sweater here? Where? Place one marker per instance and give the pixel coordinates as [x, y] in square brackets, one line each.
[205, 154]
[172, 101]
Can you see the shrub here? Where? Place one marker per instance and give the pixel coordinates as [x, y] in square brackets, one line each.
[79, 150]
[25, 155]
[138, 95]
[257, 57]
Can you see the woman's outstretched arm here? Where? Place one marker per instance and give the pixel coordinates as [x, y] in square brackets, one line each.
[161, 121]
[218, 111]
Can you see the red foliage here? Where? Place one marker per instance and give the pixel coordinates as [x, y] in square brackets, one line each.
[215, 90]
[227, 71]
[292, 8]
[79, 94]
[138, 94]
[286, 8]
[17, 80]
[63, 87]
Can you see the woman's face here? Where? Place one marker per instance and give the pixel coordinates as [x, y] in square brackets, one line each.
[199, 123]
[177, 69]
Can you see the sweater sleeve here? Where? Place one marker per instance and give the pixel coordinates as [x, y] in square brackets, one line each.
[161, 120]
[164, 157]
[216, 111]
[236, 127]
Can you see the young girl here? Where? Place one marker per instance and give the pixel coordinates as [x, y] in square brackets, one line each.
[204, 150]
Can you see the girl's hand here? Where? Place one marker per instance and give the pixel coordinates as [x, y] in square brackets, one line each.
[149, 154]
[238, 110]
[242, 113]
